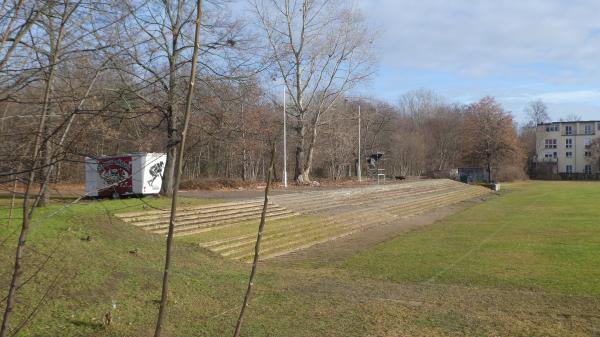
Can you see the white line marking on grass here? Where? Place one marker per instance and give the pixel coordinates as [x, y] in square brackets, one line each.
[479, 245]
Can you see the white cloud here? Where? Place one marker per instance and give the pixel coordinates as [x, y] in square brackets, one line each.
[479, 38]
[581, 96]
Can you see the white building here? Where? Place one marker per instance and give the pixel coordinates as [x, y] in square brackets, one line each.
[567, 146]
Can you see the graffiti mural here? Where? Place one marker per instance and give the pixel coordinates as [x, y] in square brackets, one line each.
[116, 174]
[156, 171]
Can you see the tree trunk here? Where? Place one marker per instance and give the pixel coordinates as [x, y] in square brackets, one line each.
[12, 199]
[299, 165]
[298, 170]
[489, 168]
[10, 299]
[44, 196]
[17, 269]
[55, 46]
[311, 150]
[171, 115]
[169, 173]
[47, 173]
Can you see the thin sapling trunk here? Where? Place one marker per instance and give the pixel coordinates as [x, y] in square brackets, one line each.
[179, 166]
[261, 227]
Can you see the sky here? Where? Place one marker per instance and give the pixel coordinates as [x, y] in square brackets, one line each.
[516, 51]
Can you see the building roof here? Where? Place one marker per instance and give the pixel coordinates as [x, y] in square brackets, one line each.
[568, 122]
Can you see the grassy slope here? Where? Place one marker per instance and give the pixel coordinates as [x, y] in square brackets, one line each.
[96, 273]
[531, 276]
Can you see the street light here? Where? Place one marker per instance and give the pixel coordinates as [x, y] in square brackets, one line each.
[285, 176]
[358, 166]
[358, 170]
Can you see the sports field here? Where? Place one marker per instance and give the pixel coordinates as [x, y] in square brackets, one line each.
[524, 263]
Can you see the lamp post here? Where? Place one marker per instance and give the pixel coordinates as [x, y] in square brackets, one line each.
[358, 170]
[285, 177]
[358, 162]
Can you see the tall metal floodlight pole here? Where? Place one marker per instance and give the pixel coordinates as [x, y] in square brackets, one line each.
[358, 172]
[285, 178]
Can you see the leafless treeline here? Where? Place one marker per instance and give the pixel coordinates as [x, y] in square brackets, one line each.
[109, 77]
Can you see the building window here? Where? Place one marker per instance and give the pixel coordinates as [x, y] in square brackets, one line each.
[550, 155]
[588, 154]
[568, 130]
[569, 143]
[598, 126]
[555, 127]
[550, 143]
[587, 142]
[589, 129]
[569, 154]
[569, 168]
[588, 169]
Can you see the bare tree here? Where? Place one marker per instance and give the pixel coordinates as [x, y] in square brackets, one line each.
[321, 49]
[53, 22]
[179, 166]
[419, 105]
[444, 133]
[155, 41]
[537, 112]
[571, 118]
[55, 36]
[16, 19]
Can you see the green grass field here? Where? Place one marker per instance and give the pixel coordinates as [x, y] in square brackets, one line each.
[538, 236]
[526, 263]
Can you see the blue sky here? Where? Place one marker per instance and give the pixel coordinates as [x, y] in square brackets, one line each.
[517, 51]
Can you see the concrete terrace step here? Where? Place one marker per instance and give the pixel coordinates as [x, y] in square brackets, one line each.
[355, 191]
[200, 217]
[320, 232]
[340, 207]
[295, 246]
[415, 209]
[375, 198]
[219, 245]
[348, 220]
[248, 248]
[210, 226]
[327, 204]
[181, 226]
[209, 209]
[308, 228]
[332, 201]
[293, 241]
[338, 213]
[227, 226]
[352, 193]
